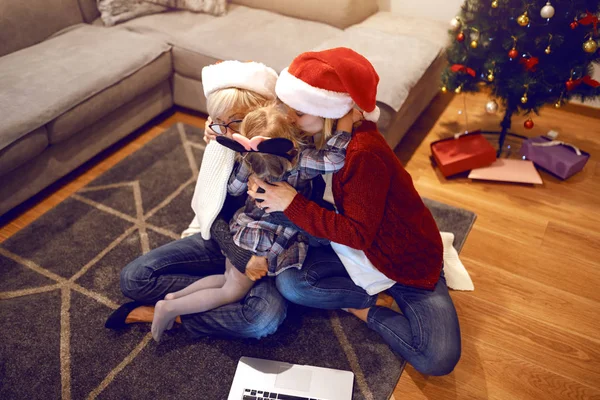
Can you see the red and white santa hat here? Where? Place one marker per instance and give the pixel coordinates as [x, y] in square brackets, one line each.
[250, 75]
[328, 83]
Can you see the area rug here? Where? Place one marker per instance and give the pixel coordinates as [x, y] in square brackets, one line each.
[59, 280]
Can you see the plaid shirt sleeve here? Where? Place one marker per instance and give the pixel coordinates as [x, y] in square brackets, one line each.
[331, 159]
[238, 181]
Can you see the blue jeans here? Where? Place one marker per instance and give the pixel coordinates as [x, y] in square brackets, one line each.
[426, 334]
[176, 265]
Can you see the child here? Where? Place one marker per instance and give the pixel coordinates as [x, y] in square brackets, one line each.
[252, 228]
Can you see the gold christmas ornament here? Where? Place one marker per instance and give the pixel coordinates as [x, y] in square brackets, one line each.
[458, 90]
[590, 46]
[490, 77]
[548, 50]
[495, 4]
[557, 104]
[524, 99]
[523, 20]
[444, 89]
[474, 44]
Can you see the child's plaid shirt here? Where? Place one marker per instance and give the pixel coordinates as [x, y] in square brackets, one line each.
[251, 227]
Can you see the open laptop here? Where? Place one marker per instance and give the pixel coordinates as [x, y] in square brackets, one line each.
[257, 379]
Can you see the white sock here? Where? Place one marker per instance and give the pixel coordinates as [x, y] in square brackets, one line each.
[456, 274]
[211, 188]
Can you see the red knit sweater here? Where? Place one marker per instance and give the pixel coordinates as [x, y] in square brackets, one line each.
[380, 212]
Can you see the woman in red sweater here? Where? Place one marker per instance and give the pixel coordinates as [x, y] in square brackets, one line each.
[382, 235]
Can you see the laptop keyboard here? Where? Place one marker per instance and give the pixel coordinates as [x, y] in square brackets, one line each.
[253, 394]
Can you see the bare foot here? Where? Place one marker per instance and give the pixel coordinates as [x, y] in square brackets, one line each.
[384, 300]
[170, 296]
[144, 314]
[360, 313]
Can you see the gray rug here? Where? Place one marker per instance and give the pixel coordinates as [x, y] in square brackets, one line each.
[59, 280]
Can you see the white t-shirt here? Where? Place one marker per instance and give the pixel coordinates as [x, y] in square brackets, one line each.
[362, 272]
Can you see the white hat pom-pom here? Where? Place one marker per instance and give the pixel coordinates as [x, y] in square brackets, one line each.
[373, 115]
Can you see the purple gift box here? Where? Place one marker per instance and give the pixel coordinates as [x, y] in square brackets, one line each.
[561, 159]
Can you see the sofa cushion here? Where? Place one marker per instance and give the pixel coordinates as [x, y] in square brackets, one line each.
[430, 30]
[24, 23]
[23, 150]
[338, 13]
[263, 36]
[43, 81]
[399, 60]
[108, 100]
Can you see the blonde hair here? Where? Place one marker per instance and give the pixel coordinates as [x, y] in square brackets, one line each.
[321, 139]
[270, 121]
[230, 101]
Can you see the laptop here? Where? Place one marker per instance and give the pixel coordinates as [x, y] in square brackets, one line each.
[257, 379]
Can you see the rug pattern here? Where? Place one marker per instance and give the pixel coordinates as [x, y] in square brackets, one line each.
[59, 280]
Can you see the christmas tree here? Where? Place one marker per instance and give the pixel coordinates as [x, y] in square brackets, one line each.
[529, 52]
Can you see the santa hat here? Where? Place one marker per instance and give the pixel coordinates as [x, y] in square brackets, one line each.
[250, 75]
[327, 84]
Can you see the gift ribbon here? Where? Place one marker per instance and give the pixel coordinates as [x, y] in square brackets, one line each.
[462, 68]
[530, 63]
[573, 83]
[590, 19]
[557, 143]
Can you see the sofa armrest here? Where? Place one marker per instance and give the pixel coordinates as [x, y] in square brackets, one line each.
[338, 13]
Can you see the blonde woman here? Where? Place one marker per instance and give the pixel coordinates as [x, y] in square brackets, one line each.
[232, 89]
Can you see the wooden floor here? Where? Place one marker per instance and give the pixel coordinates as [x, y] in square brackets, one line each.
[531, 328]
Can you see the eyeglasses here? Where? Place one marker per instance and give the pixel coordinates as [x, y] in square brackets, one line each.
[221, 129]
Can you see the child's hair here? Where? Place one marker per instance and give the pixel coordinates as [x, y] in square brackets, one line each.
[233, 101]
[271, 121]
[321, 139]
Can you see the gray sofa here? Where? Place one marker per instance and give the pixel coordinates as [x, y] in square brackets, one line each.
[70, 87]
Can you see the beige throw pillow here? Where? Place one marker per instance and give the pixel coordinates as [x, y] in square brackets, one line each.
[214, 7]
[115, 11]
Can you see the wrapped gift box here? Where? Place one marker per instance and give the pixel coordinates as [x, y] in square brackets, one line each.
[561, 159]
[462, 153]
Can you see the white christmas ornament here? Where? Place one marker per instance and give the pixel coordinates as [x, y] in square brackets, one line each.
[455, 23]
[547, 11]
[491, 107]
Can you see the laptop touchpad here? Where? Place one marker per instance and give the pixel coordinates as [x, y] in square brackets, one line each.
[294, 379]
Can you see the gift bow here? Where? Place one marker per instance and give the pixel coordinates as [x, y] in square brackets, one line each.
[463, 68]
[573, 83]
[590, 19]
[557, 143]
[530, 63]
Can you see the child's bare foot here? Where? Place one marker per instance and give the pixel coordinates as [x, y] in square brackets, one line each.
[360, 313]
[384, 300]
[163, 319]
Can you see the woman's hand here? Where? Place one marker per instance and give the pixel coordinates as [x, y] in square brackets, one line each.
[257, 268]
[276, 197]
[209, 134]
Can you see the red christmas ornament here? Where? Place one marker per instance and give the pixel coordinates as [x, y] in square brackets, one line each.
[513, 53]
[574, 25]
[460, 37]
[528, 124]
[590, 19]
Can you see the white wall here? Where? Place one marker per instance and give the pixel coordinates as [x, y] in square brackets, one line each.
[444, 10]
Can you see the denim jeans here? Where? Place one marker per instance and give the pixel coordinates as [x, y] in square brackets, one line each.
[426, 334]
[176, 265]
